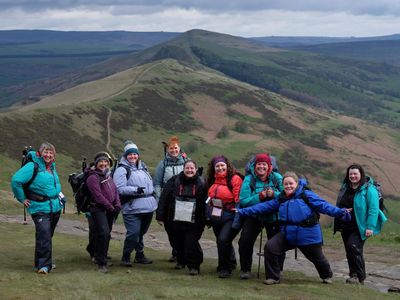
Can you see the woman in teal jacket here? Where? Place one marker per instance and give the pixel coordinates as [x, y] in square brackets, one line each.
[359, 195]
[43, 200]
[262, 184]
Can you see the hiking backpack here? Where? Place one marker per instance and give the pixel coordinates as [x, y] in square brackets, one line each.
[80, 190]
[378, 187]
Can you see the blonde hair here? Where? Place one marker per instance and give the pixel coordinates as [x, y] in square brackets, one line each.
[47, 146]
[291, 174]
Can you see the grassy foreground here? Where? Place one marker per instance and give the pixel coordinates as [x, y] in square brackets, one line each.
[77, 278]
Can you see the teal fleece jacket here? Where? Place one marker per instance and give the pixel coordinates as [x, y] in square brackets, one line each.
[46, 183]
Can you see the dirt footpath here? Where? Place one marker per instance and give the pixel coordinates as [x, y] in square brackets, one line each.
[383, 273]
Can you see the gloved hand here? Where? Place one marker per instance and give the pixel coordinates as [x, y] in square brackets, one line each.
[140, 190]
[346, 217]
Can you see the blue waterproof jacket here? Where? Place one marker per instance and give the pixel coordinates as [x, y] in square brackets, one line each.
[293, 211]
[366, 208]
[252, 186]
[139, 177]
[45, 184]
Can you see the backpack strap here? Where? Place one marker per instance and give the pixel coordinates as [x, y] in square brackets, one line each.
[34, 174]
[128, 170]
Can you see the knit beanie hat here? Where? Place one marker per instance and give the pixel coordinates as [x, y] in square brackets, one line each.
[102, 156]
[262, 157]
[217, 159]
[130, 147]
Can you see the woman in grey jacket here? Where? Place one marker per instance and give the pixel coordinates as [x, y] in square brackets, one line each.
[171, 165]
[135, 187]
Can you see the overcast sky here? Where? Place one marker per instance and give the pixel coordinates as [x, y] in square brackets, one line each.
[237, 17]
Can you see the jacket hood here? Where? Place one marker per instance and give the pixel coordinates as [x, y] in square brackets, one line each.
[300, 187]
[98, 172]
[369, 181]
[133, 166]
[37, 158]
[174, 159]
[183, 177]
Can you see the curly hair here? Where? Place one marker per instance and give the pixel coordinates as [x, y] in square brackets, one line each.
[230, 168]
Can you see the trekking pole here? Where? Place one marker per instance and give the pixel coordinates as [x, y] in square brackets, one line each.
[259, 255]
[295, 253]
[25, 222]
[24, 153]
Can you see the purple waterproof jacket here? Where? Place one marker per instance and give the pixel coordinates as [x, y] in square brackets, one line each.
[103, 190]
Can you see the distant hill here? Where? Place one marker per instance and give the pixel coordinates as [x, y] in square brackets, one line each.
[386, 51]
[29, 55]
[367, 90]
[294, 41]
[211, 112]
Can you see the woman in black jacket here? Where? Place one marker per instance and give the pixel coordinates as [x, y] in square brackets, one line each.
[182, 201]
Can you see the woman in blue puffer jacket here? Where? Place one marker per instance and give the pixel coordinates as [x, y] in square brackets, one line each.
[43, 200]
[298, 209]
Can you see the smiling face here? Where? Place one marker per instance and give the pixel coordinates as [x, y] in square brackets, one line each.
[189, 170]
[103, 164]
[173, 150]
[132, 157]
[261, 169]
[48, 155]
[289, 185]
[220, 167]
[354, 177]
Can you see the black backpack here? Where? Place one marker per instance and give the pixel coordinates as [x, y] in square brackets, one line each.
[80, 190]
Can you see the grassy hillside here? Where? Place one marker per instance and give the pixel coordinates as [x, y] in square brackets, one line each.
[366, 90]
[212, 114]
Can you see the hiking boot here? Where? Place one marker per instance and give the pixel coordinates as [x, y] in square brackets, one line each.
[224, 274]
[179, 266]
[126, 263]
[172, 259]
[327, 280]
[43, 270]
[352, 280]
[109, 263]
[271, 281]
[245, 275]
[103, 269]
[194, 272]
[142, 260]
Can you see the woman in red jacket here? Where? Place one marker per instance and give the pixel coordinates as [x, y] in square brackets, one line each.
[223, 195]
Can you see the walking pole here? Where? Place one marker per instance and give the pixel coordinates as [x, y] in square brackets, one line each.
[295, 253]
[25, 222]
[259, 255]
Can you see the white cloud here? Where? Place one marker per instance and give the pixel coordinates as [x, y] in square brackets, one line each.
[157, 17]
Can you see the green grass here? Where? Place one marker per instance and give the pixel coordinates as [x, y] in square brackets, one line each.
[76, 278]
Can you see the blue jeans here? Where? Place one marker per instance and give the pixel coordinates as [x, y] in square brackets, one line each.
[45, 224]
[136, 226]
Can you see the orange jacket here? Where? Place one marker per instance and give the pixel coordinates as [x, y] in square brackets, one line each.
[220, 190]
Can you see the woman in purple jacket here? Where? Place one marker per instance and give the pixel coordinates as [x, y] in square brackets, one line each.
[105, 206]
